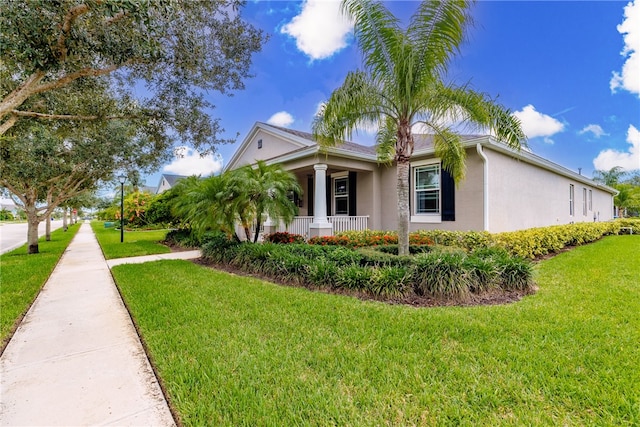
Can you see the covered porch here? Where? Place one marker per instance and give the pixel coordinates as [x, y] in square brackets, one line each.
[337, 198]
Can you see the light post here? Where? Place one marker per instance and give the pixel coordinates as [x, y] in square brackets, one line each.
[122, 179]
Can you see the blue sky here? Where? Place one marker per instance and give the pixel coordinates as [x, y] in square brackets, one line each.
[569, 70]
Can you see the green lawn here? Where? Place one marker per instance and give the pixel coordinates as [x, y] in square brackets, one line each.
[22, 276]
[136, 243]
[238, 351]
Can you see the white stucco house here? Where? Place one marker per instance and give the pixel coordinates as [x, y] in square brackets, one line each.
[345, 188]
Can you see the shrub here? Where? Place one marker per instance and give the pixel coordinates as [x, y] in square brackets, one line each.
[354, 277]
[322, 272]
[441, 274]
[283, 237]
[393, 249]
[514, 273]
[344, 256]
[389, 281]
[286, 266]
[373, 258]
[483, 273]
[219, 248]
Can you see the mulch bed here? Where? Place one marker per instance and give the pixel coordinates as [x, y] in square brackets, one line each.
[495, 297]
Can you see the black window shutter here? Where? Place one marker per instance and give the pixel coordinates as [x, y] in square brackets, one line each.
[329, 193]
[448, 189]
[352, 193]
[310, 195]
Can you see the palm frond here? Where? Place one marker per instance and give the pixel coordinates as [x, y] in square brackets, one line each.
[356, 103]
[378, 33]
[448, 147]
[436, 31]
[386, 141]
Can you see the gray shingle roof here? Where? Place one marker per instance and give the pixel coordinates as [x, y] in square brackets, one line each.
[172, 179]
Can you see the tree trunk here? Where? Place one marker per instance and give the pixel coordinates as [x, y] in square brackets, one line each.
[48, 228]
[64, 219]
[48, 220]
[32, 231]
[257, 231]
[403, 206]
[404, 150]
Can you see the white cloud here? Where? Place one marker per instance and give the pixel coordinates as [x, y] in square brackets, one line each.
[629, 160]
[189, 162]
[629, 78]
[596, 130]
[320, 29]
[536, 124]
[281, 118]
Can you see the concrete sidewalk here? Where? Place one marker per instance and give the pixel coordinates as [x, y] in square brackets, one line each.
[76, 359]
[147, 258]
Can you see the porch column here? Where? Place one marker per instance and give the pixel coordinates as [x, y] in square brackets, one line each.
[320, 225]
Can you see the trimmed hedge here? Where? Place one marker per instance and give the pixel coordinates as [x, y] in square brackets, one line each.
[530, 243]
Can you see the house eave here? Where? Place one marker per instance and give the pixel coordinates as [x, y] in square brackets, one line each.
[294, 139]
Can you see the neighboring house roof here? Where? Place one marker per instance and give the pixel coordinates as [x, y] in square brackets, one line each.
[423, 145]
[172, 179]
[167, 181]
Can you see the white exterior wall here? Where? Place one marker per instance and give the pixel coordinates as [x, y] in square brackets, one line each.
[522, 195]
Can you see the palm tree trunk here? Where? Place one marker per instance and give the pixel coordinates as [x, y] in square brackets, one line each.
[404, 150]
[257, 231]
[403, 206]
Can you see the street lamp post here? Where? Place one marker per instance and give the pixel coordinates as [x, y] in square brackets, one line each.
[122, 179]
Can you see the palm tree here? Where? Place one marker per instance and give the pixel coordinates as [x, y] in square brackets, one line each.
[402, 86]
[610, 177]
[205, 204]
[264, 190]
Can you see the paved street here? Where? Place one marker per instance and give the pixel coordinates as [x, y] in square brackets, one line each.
[15, 235]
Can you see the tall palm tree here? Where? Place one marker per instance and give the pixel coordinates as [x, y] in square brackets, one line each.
[265, 190]
[402, 86]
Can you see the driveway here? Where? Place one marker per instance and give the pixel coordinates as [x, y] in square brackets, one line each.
[15, 235]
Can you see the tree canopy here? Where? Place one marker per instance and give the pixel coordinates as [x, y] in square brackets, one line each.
[160, 58]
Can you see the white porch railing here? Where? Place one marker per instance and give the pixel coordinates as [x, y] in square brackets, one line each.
[349, 223]
[300, 224]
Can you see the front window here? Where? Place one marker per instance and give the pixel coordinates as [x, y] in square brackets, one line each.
[427, 189]
[584, 201]
[571, 199]
[341, 196]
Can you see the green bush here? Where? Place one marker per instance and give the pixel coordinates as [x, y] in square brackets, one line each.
[219, 248]
[354, 277]
[514, 273]
[390, 281]
[344, 256]
[441, 275]
[483, 273]
[373, 258]
[321, 272]
[393, 249]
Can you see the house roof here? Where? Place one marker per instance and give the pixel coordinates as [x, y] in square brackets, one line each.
[423, 145]
[172, 179]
